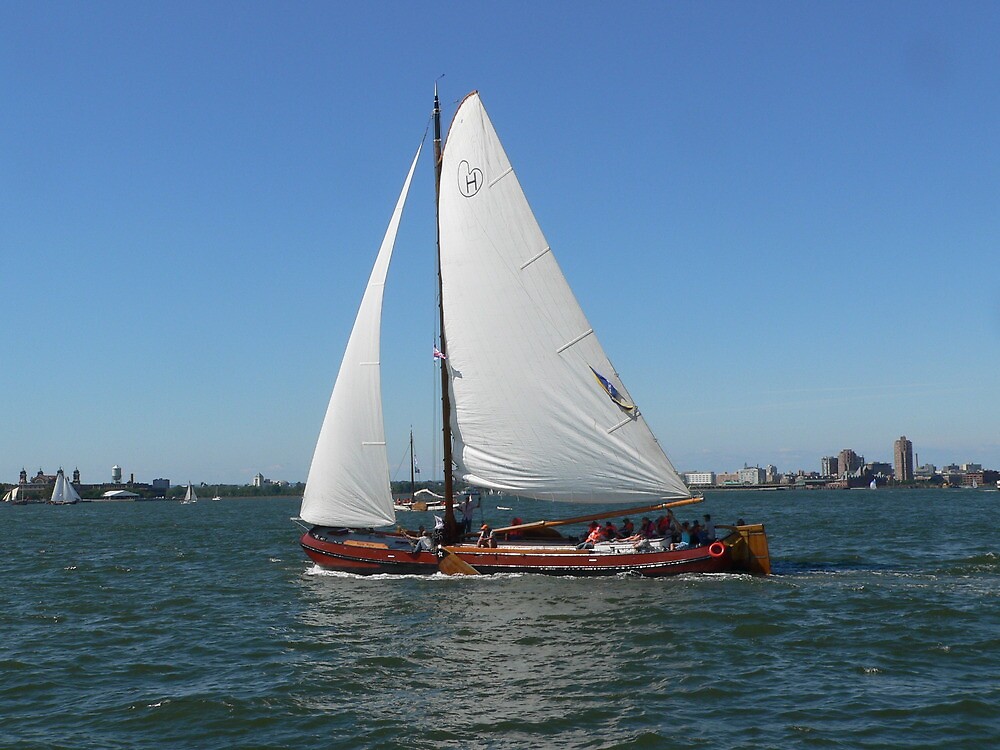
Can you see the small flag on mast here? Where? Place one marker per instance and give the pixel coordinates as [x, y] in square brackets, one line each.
[438, 354]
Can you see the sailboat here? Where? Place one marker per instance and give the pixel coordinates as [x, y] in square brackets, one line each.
[14, 496]
[419, 500]
[873, 484]
[531, 405]
[190, 496]
[63, 492]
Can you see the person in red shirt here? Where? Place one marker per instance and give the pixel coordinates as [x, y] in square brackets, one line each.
[596, 535]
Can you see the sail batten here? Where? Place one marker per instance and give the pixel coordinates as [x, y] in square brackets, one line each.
[509, 170]
[532, 259]
[577, 340]
[529, 416]
[348, 482]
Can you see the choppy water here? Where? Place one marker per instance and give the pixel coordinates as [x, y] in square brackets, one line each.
[157, 625]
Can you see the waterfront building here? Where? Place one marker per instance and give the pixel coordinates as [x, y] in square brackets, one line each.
[903, 459]
[258, 480]
[42, 478]
[771, 474]
[752, 475]
[699, 478]
[973, 479]
[828, 466]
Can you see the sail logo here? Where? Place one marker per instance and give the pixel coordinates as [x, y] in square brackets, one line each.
[470, 179]
[613, 393]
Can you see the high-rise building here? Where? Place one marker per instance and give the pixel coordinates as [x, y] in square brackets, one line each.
[849, 462]
[903, 459]
[828, 466]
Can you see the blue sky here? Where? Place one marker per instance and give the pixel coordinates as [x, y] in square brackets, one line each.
[783, 220]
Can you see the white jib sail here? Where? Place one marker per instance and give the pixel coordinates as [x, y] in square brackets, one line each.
[348, 483]
[531, 416]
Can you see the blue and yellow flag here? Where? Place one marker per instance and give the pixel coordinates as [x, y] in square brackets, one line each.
[609, 388]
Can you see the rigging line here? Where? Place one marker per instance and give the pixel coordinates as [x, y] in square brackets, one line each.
[400, 464]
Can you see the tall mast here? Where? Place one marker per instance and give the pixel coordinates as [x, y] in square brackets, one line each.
[412, 472]
[450, 527]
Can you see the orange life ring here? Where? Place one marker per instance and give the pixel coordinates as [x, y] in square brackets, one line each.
[716, 549]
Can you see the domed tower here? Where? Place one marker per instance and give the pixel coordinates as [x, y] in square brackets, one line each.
[116, 474]
[76, 475]
[23, 479]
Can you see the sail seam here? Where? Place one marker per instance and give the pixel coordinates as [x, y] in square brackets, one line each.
[509, 170]
[577, 340]
[368, 364]
[372, 442]
[531, 260]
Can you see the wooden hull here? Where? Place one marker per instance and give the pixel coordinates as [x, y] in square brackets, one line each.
[375, 552]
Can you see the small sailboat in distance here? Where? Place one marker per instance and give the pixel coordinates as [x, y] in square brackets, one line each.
[531, 405]
[63, 492]
[190, 496]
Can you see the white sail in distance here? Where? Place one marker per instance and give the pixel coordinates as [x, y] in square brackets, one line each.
[348, 483]
[531, 414]
[64, 493]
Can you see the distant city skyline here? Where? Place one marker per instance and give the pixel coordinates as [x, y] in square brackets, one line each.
[847, 457]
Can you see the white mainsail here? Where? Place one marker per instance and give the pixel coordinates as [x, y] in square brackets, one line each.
[190, 496]
[64, 493]
[531, 416]
[348, 483]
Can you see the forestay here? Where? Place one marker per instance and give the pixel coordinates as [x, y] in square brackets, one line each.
[531, 414]
[348, 483]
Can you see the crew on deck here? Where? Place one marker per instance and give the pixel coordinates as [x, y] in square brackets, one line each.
[486, 537]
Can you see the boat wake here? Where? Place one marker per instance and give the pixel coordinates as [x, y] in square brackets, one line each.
[319, 571]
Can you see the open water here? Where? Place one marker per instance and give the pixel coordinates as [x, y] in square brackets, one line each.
[160, 625]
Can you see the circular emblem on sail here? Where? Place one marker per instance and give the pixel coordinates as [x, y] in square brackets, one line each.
[470, 179]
